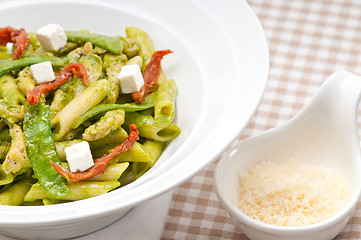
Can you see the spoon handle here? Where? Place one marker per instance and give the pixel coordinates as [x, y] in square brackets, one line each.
[338, 97]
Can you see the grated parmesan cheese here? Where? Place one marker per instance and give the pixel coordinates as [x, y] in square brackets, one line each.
[297, 195]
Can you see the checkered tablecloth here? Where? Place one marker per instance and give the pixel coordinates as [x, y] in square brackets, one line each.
[308, 40]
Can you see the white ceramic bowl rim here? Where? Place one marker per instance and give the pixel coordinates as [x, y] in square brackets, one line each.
[236, 110]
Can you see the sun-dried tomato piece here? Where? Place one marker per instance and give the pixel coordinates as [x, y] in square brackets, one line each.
[5, 35]
[150, 74]
[78, 69]
[100, 164]
[20, 38]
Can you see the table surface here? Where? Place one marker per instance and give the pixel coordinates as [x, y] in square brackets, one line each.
[308, 40]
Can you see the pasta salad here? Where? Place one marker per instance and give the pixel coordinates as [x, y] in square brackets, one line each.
[81, 114]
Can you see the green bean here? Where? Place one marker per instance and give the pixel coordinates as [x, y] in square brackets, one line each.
[41, 149]
[111, 44]
[24, 62]
[127, 107]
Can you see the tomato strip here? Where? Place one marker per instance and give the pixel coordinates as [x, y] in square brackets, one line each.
[78, 69]
[150, 74]
[100, 163]
[19, 37]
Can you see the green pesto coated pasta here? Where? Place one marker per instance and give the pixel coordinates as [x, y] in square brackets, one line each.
[164, 107]
[10, 91]
[4, 149]
[15, 194]
[25, 80]
[155, 149]
[93, 64]
[146, 45]
[88, 98]
[5, 135]
[137, 60]
[10, 112]
[60, 100]
[78, 190]
[148, 128]
[112, 172]
[5, 178]
[113, 65]
[138, 154]
[109, 122]
[16, 158]
[131, 48]
[47, 201]
[33, 136]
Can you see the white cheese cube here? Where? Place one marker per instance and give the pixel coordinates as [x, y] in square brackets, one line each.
[51, 37]
[131, 79]
[9, 46]
[79, 156]
[42, 72]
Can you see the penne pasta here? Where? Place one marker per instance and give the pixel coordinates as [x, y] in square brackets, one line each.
[121, 135]
[88, 98]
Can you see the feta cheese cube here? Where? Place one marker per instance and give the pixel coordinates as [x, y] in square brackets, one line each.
[79, 156]
[42, 72]
[51, 37]
[9, 47]
[131, 79]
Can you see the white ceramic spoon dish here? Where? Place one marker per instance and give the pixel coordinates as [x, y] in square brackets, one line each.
[323, 134]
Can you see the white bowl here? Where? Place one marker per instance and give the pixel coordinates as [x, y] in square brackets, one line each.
[220, 64]
[324, 134]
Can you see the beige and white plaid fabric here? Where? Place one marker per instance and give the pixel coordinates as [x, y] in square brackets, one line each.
[308, 40]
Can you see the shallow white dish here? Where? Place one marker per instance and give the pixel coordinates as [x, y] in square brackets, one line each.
[220, 64]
